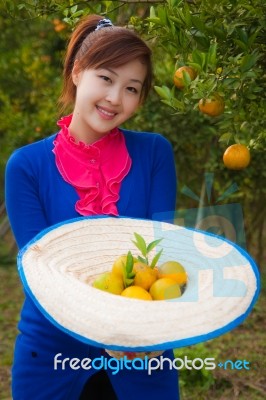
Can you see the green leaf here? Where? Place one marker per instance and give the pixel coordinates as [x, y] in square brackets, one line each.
[154, 20]
[77, 14]
[21, 6]
[199, 58]
[251, 96]
[140, 244]
[143, 260]
[202, 40]
[211, 55]
[181, 16]
[128, 274]
[241, 44]
[177, 21]
[196, 66]
[252, 37]
[129, 263]
[248, 61]
[257, 89]
[243, 35]
[175, 104]
[152, 12]
[198, 22]
[162, 15]
[187, 15]
[163, 92]
[225, 137]
[153, 244]
[186, 78]
[155, 259]
[128, 282]
[74, 9]
[233, 83]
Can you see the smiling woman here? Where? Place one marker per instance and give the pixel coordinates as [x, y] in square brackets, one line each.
[91, 166]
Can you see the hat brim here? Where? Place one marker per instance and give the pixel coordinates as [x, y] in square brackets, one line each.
[223, 284]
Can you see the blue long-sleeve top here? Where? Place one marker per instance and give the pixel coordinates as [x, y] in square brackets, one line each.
[38, 197]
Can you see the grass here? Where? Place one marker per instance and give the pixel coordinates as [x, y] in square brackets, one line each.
[247, 342]
[11, 298]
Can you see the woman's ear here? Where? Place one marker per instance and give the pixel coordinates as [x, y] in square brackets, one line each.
[75, 73]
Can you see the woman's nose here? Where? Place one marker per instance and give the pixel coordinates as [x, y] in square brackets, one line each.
[114, 96]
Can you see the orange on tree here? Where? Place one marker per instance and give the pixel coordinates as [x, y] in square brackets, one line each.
[165, 289]
[136, 292]
[236, 156]
[173, 270]
[179, 76]
[59, 25]
[212, 106]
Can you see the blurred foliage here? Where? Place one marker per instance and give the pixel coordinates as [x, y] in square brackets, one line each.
[223, 41]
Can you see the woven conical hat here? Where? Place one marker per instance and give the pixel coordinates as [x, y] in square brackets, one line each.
[56, 266]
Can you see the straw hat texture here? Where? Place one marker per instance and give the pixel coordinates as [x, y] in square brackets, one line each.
[58, 265]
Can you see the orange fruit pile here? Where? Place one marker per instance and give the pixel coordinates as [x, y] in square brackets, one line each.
[137, 278]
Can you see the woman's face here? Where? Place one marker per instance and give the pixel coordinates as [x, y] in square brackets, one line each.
[105, 99]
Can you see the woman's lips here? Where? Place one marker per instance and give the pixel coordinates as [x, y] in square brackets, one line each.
[105, 113]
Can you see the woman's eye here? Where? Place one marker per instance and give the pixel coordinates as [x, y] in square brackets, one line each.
[132, 89]
[105, 78]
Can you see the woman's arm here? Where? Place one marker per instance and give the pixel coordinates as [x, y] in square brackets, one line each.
[23, 204]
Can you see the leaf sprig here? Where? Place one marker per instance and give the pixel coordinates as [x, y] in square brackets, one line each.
[145, 249]
[139, 242]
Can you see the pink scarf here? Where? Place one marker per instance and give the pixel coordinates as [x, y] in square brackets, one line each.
[95, 171]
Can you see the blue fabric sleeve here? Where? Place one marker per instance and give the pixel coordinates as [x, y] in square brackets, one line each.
[24, 209]
[162, 197]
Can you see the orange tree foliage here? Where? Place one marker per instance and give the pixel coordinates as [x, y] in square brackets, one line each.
[223, 41]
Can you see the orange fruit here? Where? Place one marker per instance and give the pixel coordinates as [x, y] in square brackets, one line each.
[236, 156]
[173, 270]
[145, 276]
[109, 282]
[212, 106]
[136, 292]
[56, 21]
[179, 77]
[119, 264]
[165, 289]
[58, 25]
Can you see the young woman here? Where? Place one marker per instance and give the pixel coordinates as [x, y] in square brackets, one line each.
[90, 167]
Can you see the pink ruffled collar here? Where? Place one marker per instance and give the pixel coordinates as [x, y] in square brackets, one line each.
[96, 171]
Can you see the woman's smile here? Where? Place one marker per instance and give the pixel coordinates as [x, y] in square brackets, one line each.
[105, 113]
